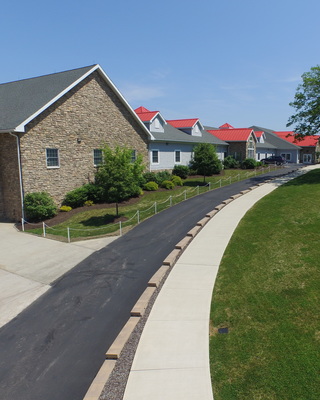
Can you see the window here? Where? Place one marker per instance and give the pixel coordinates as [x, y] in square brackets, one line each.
[52, 156]
[156, 124]
[97, 157]
[286, 156]
[155, 156]
[177, 156]
[133, 156]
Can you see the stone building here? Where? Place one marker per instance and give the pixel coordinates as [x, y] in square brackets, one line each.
[52, 129]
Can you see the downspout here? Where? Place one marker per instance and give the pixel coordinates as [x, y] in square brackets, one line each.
[20, 176]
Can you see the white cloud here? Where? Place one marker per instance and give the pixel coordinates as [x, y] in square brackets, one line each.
[135, 92]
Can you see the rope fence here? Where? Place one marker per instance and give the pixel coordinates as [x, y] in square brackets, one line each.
[116, 229]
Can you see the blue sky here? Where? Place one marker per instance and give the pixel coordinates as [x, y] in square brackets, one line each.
[221, 61]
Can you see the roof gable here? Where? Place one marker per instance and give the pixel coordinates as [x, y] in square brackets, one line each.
[226, 126]
[233, 135]
[22, 101]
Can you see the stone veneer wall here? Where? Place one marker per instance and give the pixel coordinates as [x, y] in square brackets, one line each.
[10, 201]
[238, 147]
[91, 112]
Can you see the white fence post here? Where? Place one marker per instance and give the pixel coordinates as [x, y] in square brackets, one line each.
[170, 201]
[220, 182]
[138, 216]
[22, 224]
[209, 186]
[44, 229]
[185, 195]
[198, 189]
[68, 230]
[120, 228]
[155, 207]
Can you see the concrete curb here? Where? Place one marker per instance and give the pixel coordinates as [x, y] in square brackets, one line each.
[95, 390]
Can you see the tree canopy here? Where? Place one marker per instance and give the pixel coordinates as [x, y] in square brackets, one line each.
[307, 105]
[119, 175]
[205, 160]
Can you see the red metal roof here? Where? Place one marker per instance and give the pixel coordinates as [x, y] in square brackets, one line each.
[258, 133]
[145, 115]
[183, 123]
[232, 135]
[226, 126]
[307, 141]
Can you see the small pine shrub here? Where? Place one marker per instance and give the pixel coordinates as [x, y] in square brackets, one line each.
[39, 206]
[149, 177]
[248, 163]
[162, 176]
[176, 180]
[167, 184]
[181, 170]
[230, 162]
[151, 186]
[65, 208]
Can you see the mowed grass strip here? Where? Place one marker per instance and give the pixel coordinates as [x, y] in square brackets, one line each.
[95, 222]
[267, 293]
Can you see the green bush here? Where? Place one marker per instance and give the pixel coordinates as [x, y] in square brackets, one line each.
[89, 203]
[39, 206]
[167, 184]
[230, 162]
[79, 196]
[176, 180]
[65, 208]
[248, 163]
[149, 177]
[162, 176]
[181, 170]
[151, 186]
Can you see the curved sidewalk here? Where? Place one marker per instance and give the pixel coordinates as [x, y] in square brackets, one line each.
[172, 358]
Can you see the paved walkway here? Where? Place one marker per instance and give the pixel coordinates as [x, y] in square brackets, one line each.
[28, 264]
[172, 359]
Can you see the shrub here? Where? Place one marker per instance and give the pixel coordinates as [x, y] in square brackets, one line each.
[176, 180]
[39, 206]
[151, 186]
[149, 177]
[182, 171]
[65, 208]
[167, 184]
[79, 196]
[89, 203]
[230, 162]
[248, 163]
[162, 176]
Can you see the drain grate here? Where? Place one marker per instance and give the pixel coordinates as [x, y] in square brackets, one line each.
[223, 330]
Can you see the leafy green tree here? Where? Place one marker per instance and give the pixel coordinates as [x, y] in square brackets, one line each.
[307, 105]
[205, 160]
[119, 176]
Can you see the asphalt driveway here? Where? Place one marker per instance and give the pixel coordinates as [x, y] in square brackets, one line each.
[54, 348]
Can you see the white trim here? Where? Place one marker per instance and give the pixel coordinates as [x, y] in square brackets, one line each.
[21, 127]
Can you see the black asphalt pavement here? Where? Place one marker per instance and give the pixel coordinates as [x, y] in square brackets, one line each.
[55, 347]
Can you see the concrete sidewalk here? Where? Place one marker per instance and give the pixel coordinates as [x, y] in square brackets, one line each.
[28, 264]
[172, 358]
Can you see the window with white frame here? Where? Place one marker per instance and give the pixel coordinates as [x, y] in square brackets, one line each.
[251, 147]
[177, 156]
[155, 157]
[52, 158]
[97, 157]
[156, 124]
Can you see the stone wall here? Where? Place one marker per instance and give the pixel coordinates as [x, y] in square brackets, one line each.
[238, 150]
[86, 118]
[10, 200]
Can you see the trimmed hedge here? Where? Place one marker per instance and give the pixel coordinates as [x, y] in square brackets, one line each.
[39, 206]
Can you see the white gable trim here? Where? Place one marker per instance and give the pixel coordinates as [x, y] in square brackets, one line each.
[21, 127]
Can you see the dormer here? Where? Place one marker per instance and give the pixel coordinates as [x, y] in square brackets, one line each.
[192, 126]
[153, 120]
[261, 137]
[226, 126]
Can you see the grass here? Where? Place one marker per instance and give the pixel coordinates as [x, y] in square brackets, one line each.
[95, 222]
[267, 293]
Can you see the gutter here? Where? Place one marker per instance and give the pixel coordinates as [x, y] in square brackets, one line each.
[20, 176]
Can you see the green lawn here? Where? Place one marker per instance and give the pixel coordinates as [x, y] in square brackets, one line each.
[95, 222]
[268, 294]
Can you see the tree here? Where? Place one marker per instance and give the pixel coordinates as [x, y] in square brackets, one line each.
[205, 160]
[119, 176]
[307, 105]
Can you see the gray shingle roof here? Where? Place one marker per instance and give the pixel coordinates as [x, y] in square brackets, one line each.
[172, 134]
[20, 100]
[277, 142]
